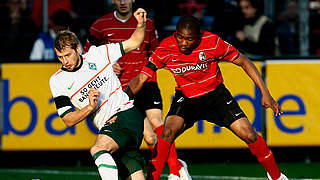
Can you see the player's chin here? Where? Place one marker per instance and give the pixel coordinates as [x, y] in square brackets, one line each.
[185, 51]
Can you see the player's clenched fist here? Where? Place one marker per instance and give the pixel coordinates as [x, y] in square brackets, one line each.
[93, 97]
[141, 16]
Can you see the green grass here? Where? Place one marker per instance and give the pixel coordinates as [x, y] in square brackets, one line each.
[230, 171]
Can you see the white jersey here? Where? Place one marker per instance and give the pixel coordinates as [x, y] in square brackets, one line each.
[96, 72]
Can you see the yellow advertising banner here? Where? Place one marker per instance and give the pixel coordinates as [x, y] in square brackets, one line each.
[31, 122]
[296, 86]
[30, 119]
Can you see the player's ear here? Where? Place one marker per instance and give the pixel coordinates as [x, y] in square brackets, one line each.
[78, 48]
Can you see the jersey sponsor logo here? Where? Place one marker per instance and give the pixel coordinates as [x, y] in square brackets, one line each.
[197, 67]
[202, 56]
[229, 102]
[69, 88]
[92, 66]
[96, 83]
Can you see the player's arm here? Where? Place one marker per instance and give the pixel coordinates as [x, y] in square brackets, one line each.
[137, 82]
[74, 117]
[253, 73]
[137, 37]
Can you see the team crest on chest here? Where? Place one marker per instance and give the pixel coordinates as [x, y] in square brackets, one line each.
[92, 66]
[202, 56]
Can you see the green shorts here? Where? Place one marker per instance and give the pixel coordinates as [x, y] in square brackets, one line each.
[127, 132]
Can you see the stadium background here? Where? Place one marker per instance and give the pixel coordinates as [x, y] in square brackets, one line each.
[35, 143]
[34, 136]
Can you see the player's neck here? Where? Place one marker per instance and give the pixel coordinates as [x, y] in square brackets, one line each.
[122, 17]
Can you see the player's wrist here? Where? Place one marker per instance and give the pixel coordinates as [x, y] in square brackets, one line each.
[141, 25]
[90, 108]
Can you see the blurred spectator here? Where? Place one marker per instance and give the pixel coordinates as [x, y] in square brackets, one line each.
[288, 29]
[53, 5]
[314, 27]
[192, 8]
[43, 46]
[85, 14]
[225, 15]
[257, 33]
[196, 8]
[17, 31]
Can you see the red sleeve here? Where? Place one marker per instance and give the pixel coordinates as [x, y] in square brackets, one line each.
[226, 51]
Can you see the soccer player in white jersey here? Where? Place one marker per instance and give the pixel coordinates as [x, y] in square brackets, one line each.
[89, 83]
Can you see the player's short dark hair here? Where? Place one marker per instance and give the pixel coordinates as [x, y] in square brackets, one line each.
[189, 22]
[65, 39]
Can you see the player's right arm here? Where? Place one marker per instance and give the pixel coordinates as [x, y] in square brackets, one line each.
[74, 117]
[136, 39]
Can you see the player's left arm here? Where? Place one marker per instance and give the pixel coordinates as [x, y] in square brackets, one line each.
[253, 73]
[137, 37]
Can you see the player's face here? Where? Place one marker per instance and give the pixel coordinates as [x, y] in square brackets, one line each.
[123, 7]
[187, 40]
[70, 58]
[247, 9]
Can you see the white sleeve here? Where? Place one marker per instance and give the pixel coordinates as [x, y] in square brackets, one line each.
[37, 50]
[108, 52]
[62, 101]
[115, 51]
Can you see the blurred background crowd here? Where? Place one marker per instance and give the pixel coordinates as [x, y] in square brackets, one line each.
[258, 28]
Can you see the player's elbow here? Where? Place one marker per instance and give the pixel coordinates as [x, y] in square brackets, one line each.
[68, 122]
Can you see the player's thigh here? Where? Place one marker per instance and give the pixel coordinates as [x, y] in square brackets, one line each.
[136, 176]
[149, 97]
[104, 142]
[244, 130]
[150, 137]
[155, 117]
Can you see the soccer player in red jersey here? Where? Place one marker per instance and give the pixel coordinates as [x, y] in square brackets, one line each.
[192, 56]
[118, 26]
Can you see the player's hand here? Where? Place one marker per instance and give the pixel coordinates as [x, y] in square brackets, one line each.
[117, 69]
[269, 102]
[112, 120]
[141, 16]
[93, 97]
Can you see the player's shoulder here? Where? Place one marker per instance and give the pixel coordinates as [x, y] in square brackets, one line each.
[209, 35]
[168, 42]
[167, 45]
[55, 76]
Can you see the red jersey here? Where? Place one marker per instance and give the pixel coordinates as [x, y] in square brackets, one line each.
[197, 73]
[110, 29]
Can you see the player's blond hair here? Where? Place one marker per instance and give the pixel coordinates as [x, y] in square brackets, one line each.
[65, 39]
